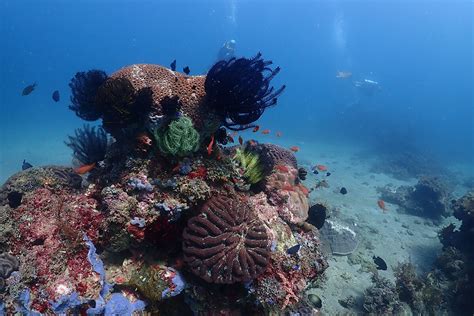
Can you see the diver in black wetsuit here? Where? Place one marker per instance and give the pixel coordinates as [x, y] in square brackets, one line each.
[227, 50]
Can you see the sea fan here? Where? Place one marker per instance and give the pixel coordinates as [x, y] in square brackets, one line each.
[89, 145]
[84, 87]
[239, 90]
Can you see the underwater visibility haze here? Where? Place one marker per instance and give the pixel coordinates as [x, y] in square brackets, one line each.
[236, 157]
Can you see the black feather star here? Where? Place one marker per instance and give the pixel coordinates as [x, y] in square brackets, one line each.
[239, 90]
[84, 87]
[88, 145]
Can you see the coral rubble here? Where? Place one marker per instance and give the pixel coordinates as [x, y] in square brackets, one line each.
[168, 219]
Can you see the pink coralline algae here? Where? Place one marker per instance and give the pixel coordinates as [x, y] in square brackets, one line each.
[51, 228]
[289, 196]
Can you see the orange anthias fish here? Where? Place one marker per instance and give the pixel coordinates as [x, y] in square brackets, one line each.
[381, 204]
[266, 132]
[278, 134]
[282, 168]
[256, 128]
[84, 169]
[294, 148]
[230, 139]
[343, 74]
[321, 167]
[252, 142]
[241, 140]
[211, 144]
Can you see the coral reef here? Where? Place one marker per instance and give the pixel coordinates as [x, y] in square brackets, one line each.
[163, 83]
[226, 243]
[463, 238]
[290, 196]
[8, 264]
[178, 138]
[422, 295]
[163, 225]
[456, 262]
[123, 108]
[429, 198]
[272, 155]
[239, 90]
[88, 145]
[250, 164]
[170, 106]
[381, 298]
[84, 87]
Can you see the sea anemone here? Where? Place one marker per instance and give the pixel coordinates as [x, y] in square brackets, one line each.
[121, 106]
[178, 138]
[239, 90]
[84, 88]
[88, 145]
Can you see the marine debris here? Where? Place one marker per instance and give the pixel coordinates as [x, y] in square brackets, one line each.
[169, 219]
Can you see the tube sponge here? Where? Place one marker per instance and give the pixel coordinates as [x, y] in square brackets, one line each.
[178, 138]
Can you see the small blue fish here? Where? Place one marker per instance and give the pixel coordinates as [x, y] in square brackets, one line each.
[56, 96]
[26, 165]
[293, 250]
[173, 65]
[186, 70]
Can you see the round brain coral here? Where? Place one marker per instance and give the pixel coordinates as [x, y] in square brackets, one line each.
[226, 243]
[271, 155]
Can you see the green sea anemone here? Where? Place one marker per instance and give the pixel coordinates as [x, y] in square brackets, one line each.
[178, 138]
[250, 162]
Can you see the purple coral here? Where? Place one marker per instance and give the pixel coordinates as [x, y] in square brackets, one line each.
[140, 185]
[226, 242]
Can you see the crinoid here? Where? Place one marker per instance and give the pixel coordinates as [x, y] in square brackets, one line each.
[84, 88]
[239, 90]
[89, 145]
[121, 106]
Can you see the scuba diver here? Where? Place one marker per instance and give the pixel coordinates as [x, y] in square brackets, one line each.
[367, 87]
[227, 51]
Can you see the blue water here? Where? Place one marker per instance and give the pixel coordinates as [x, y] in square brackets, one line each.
[419, 52]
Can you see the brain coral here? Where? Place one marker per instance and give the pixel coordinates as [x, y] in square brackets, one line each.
[226, 242]
[167, 83]
[271, 155]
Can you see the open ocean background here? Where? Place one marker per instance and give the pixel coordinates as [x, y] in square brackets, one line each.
[420, 53]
